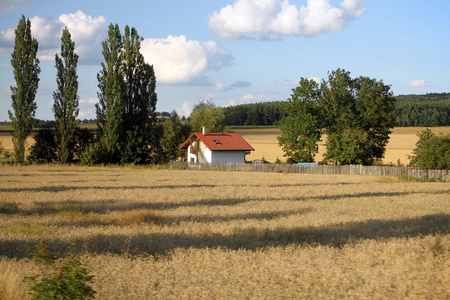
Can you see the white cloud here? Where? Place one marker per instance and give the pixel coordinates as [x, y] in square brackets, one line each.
[178, 60]
[8, 5]
[252, 98]
[420, 83]
[278, 17]
[227, 87]
[87, 33]
[318, 80]
[186, 109]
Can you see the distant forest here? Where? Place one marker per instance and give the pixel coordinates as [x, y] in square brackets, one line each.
[430, 110]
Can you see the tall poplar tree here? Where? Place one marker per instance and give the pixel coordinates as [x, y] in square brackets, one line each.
[65, 107]
[140, 84]
[112, 96]
[26, 74]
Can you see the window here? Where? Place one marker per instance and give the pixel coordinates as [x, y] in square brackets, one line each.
[217, 142]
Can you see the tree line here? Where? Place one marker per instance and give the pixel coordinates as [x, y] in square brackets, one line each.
[430, 110]
[128, 130]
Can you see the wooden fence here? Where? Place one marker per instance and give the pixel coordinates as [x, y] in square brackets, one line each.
[417, 173]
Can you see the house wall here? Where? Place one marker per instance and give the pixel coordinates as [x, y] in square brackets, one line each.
[204, 155]
[208, 156]
[228, 157]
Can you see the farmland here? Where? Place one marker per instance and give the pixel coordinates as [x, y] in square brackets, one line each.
[264, 140]
[178, 234]
[401, 144]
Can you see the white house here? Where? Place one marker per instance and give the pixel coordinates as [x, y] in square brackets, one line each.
[216, 147]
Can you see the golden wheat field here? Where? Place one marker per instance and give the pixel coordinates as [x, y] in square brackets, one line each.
[184, 234]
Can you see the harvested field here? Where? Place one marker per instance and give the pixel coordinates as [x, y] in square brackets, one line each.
[176, 234]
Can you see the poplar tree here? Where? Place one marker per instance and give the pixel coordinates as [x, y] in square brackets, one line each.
[26, 74]
[65, 107]
[111, 107]
[140, 84]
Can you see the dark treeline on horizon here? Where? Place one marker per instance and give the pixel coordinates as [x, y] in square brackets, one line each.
[429, 110]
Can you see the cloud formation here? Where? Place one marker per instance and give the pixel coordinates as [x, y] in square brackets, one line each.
[8, 5]
[178, 60]
[279, 17]
[228, 87]
[87, 33]
[419, 83]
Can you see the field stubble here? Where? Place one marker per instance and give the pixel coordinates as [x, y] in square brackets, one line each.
[176, 234]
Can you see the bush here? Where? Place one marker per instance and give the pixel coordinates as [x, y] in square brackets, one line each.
[431, 151]
[69, 278]
[92, 155]
[44, 148]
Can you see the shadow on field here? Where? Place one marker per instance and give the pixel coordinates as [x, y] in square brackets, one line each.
[112, 205]
[160, 244]
[63, 188]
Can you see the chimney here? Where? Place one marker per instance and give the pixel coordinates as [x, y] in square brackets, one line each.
[204, 130]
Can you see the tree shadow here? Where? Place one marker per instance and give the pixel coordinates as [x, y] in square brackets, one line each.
[162, 244]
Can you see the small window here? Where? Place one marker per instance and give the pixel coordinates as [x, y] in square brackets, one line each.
[217, 142]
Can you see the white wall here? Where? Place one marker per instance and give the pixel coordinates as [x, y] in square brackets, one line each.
[228, 157]
[206, 155]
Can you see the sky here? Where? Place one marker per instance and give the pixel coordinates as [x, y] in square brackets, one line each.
[237, 51]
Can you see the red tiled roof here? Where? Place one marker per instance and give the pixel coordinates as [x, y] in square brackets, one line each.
[220, 141]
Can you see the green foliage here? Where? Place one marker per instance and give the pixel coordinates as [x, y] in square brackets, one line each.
[205, 113]
[357, 115]
[26, 71]
[65, 107]
[428, 110]
[127, 99]
[68, 279]
[44, 147]
[92, 154]
[258, 114]
[300, 128]
[432, 151]
[111, 107]
[175, 133]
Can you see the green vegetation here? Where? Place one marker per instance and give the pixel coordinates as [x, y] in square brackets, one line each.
[433, 151]
[68, 278]
[26, 74]
[356, 114]
[127, 100]
[66, 98]
[301, 126]
[206, 113]
[430, 110]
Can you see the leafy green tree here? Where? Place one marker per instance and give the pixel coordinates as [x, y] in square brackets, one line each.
[431, 151]
[65, 107]
[173, 136]
[358, 115]
[205, 113]
[111, 107]
[141, 98]
[301, 127]
[26, 74]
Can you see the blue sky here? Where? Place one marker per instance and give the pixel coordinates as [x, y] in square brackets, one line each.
[238, 51]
